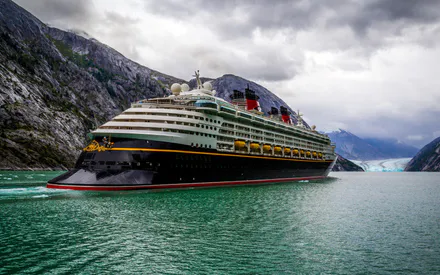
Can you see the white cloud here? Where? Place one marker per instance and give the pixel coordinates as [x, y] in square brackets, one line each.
[371, 68]
[415, 137]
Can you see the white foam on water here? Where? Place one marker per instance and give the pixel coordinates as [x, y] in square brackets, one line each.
[41, 196]
[303, 181]
[40, 191]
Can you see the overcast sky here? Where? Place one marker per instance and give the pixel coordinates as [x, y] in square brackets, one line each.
[369, 67]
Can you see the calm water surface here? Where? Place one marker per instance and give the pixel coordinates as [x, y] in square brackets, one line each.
[350, 223]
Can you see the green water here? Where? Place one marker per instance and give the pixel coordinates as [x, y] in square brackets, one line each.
[350, 223]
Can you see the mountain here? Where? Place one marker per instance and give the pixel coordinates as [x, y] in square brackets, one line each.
[343, 164]
[226, 84]
[392, 148]
[427, 159]
[55, 84]
[353, 147]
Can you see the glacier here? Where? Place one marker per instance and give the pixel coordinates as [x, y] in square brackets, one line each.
[383, 165]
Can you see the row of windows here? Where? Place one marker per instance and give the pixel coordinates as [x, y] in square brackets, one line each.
[167, 122]
[285, 130]
[200, 146]
[278, 138]
[159, 129]
[174, 115]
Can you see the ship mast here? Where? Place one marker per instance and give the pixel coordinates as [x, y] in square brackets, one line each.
[199, 82]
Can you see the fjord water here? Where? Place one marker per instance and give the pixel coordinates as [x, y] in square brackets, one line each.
[348, 223]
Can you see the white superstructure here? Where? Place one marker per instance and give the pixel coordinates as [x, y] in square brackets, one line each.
[199, 119]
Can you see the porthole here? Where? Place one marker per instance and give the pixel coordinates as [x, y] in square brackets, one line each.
[206, 119]
[210, 120]
[197, 145]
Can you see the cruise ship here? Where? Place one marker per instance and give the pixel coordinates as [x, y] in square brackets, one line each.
[194, 139]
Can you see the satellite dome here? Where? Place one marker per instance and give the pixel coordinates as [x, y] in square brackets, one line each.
[207, 86]
[176, 88]
[185, 87]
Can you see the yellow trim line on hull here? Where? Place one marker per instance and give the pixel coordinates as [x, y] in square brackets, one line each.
[212, 154]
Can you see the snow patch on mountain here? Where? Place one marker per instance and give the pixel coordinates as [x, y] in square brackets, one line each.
[383, 165]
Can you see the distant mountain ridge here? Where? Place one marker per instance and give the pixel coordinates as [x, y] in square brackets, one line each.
[353, 147]
[427, 159]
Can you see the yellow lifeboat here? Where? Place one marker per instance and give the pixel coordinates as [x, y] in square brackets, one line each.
[320, 155]
[266, 148]
[314, 154]
[239, 144]
[295, 151]
[277, 149]
[308, 153]
[286, 150]
[255, 146]
[302, 152]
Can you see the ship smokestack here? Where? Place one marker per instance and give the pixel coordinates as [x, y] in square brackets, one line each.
[251, 100]
[273, 112]
[237, 98]
[285, 115]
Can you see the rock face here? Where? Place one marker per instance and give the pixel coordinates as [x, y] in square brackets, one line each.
[427, 159]
[226, 84]
[345, 165]
[353, 147]
[54, 85]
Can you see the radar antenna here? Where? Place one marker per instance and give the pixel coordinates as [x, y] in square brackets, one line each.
[199, 82]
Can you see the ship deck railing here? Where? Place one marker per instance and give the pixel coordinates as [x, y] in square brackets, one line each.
[240, 114]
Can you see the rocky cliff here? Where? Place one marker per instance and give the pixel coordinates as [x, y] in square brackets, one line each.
[54, 85]
[345, 165]
[427, 159]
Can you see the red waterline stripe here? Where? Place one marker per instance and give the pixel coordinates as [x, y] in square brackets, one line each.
[176, 185]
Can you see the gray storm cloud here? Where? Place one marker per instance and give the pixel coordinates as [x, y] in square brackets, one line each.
[364, 65]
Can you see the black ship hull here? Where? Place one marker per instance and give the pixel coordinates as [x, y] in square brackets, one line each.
[140, 164]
